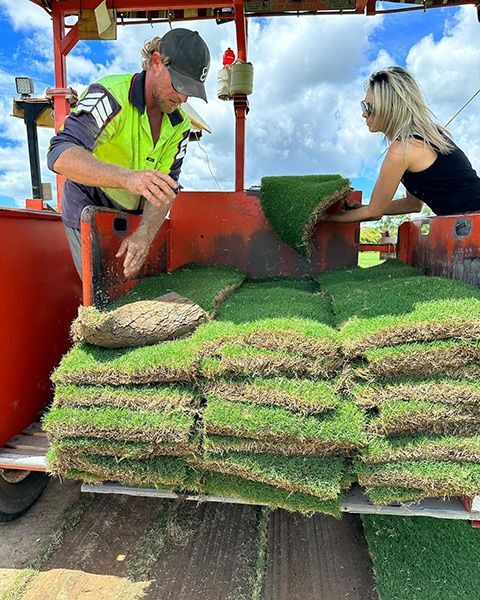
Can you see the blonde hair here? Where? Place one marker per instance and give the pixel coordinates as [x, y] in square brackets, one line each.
[400, 110]
[148, 49]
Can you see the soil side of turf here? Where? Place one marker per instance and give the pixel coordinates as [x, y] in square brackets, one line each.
[317, 558]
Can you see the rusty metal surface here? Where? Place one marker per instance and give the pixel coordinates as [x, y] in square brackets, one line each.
[444, 246]
[230, 228]
[317, 558]
[102, 233]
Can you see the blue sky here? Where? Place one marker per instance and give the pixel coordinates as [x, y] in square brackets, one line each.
[309, 74]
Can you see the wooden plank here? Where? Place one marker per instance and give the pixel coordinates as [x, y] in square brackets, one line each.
[34, 429]
[34, 442]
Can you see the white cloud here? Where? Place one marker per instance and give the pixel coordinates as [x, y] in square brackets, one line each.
[305, 115]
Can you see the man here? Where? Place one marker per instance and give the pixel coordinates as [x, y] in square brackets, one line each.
[124, 144]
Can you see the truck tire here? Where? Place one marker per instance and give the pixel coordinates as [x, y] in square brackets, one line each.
[16, 498]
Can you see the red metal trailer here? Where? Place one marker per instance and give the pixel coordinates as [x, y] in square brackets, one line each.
[42, 290]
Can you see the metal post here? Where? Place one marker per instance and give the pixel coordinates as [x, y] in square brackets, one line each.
[240, 102]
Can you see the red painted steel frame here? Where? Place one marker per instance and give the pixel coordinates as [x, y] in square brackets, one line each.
[40, 295]
[230, 228]
[102, 233]
[447, 246]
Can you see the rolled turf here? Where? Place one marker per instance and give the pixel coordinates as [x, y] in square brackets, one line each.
[119, 424]
[450, 358]
[298, 395]
[439, 389]
[178, 360]
[415, 416]
[146, 398]
[340, 432]
[157, 472]
[294, 204]
[428, 321]
[321, 477]
[422, 447]
[71, 446]
[206, 285]
[220, 444]
[269, 495]
[385, 495]
[437, 478]
[419, 558]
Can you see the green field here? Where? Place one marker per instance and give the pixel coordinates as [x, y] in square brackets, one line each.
[369, 259]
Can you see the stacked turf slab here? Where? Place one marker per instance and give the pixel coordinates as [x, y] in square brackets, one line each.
[131, 415]
[412, 344]
[276, 429]
[247, 406]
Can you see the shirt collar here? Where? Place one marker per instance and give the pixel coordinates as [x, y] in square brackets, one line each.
[137, 98]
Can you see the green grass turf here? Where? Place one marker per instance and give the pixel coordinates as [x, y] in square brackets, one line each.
[420, 558]
[218, 444]
[399, 296]
[432, 389]
[293, 204]
[422, 359]
[438, 478]
[415, 416]
[201, 284]
[237, 360]
[389, 271]
[299, 395]
[369, 259]
[119, 424]
[422, 447]
[154, 398]
[71, 446]
[428, 321]
[164, 470]
[321, 477]
[159, 472]
[264, 300]
[382, 496]
[269, 495]
[342, 429]
[175, 360]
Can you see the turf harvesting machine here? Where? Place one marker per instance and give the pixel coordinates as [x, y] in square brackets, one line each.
[207, 228]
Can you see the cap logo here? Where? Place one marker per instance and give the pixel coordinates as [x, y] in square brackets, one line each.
[204, 74]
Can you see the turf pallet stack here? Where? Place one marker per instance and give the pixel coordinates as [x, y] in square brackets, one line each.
[130, 415]
[413, 349]
[247, 406]
[276, 429]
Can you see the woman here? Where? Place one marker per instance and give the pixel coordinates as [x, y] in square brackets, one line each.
[421, 155]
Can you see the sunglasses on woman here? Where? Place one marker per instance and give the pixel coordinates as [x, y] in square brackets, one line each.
[367, 107]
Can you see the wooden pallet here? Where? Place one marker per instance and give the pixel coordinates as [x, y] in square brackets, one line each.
[26, 451]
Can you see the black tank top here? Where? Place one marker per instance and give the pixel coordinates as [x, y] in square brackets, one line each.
[449, 186]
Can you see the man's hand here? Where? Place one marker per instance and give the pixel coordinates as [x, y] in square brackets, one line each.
[135, 248]
[156, 187]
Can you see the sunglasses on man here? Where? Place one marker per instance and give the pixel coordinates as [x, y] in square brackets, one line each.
[367, 108]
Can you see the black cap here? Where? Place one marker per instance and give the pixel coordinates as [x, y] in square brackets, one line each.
[188, 61]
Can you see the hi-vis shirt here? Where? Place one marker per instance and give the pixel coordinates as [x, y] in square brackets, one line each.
[111, 122]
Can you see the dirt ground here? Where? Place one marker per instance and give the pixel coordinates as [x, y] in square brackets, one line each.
[72, 546]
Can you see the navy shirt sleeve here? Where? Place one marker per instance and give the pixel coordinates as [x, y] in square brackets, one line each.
[93, 113]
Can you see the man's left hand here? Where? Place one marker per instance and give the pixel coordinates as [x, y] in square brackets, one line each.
[135, 248]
